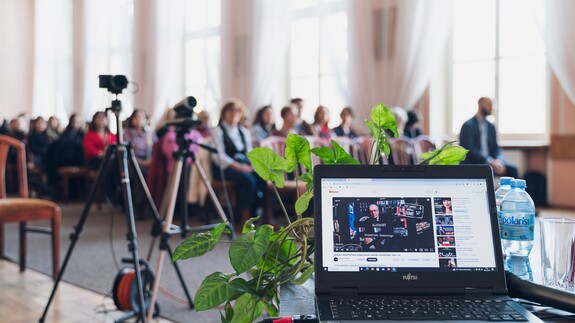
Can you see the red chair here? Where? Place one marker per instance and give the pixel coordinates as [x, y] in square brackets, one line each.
[23, 209]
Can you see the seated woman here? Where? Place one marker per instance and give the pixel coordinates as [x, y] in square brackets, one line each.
[137, 134]
[320, 123]
[288, 114]
[344, 129]
[97, 140]
[264, 125]
[233, 142]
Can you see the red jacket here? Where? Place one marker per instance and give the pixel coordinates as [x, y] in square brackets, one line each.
[94, 144]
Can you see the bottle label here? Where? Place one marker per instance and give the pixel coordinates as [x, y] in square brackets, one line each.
[517, 227]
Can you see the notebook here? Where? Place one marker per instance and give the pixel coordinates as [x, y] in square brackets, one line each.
[411, 243]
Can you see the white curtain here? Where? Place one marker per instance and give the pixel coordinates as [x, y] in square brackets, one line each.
[559, 35]
[157, 50]
[394, 47]
[53, 59]
[107, 49]
[255, 36]
[16, 57]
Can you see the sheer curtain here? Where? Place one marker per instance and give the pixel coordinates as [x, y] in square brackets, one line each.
[53, 59]
[255, 36]
[559, 31]
[157, 53]
[16, 57]
[394, 46]
[107, 49]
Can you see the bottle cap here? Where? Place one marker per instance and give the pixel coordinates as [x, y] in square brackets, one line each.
[520, 183]
[505, 180]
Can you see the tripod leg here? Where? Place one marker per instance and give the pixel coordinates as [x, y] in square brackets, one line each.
[180, 277]
[102, 172]
[132, 236]
[183, 200]
[171, 192]
[214, 198]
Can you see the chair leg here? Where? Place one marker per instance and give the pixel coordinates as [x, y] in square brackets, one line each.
[56, 243]
[1, 240]
[23, 244]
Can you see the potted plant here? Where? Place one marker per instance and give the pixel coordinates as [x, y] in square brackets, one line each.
[264, 258]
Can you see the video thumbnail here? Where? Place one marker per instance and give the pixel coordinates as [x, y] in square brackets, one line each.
[446, 252]
[446, 241]
[383, 224]
[445, 230]
[448, 263]
[442, 205]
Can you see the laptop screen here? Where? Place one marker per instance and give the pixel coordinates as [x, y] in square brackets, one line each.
[406, 224]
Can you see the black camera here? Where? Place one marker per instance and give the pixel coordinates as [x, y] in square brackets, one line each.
[185, 108]
[113, 83]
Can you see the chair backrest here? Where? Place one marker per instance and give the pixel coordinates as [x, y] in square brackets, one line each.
[402, 151]
[367, 151]
[6, 143]
[422, 144]
[349, 145]
[275, 143]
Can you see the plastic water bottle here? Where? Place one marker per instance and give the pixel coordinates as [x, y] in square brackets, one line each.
[517, 225]
[504, 188]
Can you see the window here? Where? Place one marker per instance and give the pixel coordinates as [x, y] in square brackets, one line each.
[498, 52]
[202, 53]
[318, 55]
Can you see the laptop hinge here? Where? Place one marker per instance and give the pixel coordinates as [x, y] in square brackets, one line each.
[478, 291]
[344, 291]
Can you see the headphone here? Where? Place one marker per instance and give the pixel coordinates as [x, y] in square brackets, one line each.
[125, 289]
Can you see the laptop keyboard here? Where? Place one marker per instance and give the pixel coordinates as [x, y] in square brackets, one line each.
[422, 308]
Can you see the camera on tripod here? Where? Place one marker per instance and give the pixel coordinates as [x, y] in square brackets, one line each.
[184, 114]
[113, 83]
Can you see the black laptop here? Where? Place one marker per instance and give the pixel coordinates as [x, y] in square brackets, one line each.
[409, 243]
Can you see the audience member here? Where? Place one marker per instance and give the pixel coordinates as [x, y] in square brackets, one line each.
[479, 136]
[53, 130]
[344, 129]
[162, 127]
[264, 125]
[411, 129]
[19, 128]
[400, 118]
[204, 129]
[302, 127]
[288, 114]
[320, 125]
[140, 138]
[233, 143]
[38, 142]
[97, 140]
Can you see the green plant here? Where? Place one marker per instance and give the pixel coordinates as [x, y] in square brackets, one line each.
[264, 258]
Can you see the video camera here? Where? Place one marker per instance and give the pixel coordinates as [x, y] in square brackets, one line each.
[113, 83]
[184, 112]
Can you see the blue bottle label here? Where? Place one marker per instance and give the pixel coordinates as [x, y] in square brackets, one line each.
[517, 227]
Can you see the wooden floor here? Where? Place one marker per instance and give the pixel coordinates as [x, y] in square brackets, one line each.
[24, 296]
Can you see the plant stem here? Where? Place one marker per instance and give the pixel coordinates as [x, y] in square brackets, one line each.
[282, 205]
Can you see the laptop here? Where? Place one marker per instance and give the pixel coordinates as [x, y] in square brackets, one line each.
[409, 243]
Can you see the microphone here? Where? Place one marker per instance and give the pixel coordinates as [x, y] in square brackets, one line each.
[519, 288]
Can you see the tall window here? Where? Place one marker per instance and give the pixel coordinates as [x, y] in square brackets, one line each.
[498, 52]
[318, 54]
[202, 53]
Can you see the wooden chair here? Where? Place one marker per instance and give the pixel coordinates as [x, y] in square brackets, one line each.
[422, 144]
[23, 209]
[367, 150]
[402, 151]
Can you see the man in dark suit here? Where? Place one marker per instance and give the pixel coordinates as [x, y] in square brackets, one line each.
[478, 135]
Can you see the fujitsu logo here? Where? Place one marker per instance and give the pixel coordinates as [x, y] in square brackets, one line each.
[410, 277]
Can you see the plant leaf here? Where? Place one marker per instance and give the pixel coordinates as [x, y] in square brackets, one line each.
[272, 309]
[305, 275]
[269, 165]
[244, 307]
[242, 285]
[199, 244]
[214, 290]
[249, 225]
[229, 311]
[302, 203]
[308, 179]
[384, 118]
[247, 250]
[297, 151]
[451, 155]
[342, 157]
[325, 153]
[373, 128]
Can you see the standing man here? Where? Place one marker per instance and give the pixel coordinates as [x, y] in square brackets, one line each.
[478, 135]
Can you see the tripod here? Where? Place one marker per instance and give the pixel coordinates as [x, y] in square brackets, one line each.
[179, 176]
[118, 151]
